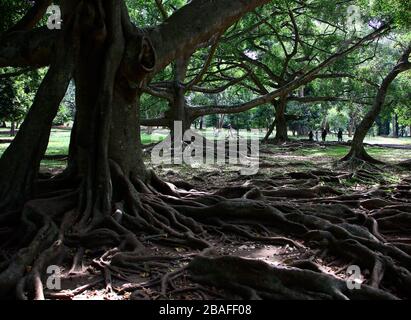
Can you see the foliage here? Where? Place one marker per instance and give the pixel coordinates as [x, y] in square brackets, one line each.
[338, 119]
[9, 106]
[11, 11]
[322, 28]
[63, 115]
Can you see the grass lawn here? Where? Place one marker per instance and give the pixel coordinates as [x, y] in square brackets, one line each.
[337, 152]
[151, 138]
[60, 138]
[59, 143]
[368, 139]
[388, 140]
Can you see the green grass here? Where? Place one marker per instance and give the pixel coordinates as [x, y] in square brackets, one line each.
[368, 139]
[3, 147]
[4, 131]
[388, 140]
[60, 138]
[151, 138]
[329, 152]
[389, 155]
[59, 142]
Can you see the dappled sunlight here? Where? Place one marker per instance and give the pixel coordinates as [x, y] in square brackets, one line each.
[388, 140]
[205, 150]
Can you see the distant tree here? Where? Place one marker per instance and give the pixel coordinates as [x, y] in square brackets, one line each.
[11, 109]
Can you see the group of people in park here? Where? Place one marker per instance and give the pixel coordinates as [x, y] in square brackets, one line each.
[324, 133]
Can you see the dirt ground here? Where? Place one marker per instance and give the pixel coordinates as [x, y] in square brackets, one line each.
[286, 169]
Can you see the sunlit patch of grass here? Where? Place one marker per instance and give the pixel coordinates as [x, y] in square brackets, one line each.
[368, 139]
[391, 177]
[3, 147]
[324, 152]
[53, 164]
[152, 138]
[59, 142]
[4, 132]
[304, 158]
[388, 140]
[389, 155]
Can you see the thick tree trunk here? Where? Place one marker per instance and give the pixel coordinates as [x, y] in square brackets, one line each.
[125, 145]
[281, 134]
[108, 61]
[179, 111]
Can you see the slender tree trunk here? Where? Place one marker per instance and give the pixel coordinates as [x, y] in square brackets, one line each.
[357, 150]
[271, 127]
[351, 126]
[149, 128]
[402, 131]
[220, 121]
[30, 143]
[13, 129]
[178, 110]
[395, 125]
[269, 131]
[384, 128]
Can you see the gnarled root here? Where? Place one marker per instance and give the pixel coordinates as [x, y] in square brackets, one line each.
[154, 213]
[254, 279]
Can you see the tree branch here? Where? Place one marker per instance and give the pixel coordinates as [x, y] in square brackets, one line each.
[289, 87]
[163, 11]
[221, 88]
[163, 94]
[158, 122]
[195, 23]
[32, 17]
[27, 48]
[15, 73]
[207, 63]
[325, 99]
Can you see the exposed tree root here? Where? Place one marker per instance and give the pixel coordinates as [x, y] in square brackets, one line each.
[405, 164]
[254, 279]
[356, 228]
[358, 157]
